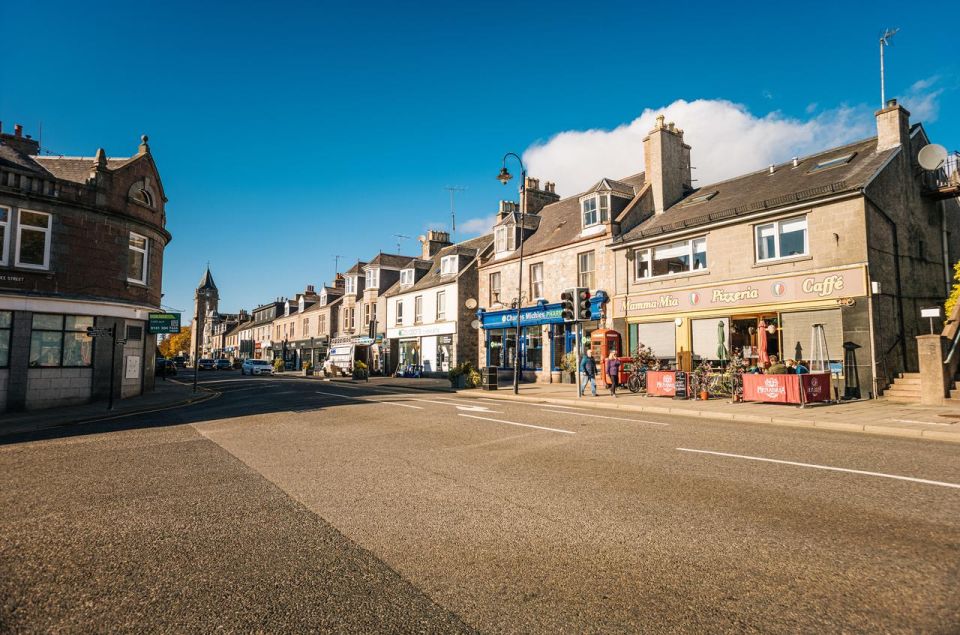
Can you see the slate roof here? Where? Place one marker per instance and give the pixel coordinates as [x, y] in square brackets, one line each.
[390, 260]
[10, 158]
[761, 190]
[76, 169]
[560, 222]
[467, 250]
[357, 267]
[206, 282]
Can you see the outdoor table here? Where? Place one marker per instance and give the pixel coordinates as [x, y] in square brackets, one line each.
[796, 389]
[660, 383]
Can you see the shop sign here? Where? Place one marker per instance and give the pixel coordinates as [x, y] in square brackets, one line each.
[163, 323]
[426, 329]
[364, 340]
[548, 314]
[842, 283]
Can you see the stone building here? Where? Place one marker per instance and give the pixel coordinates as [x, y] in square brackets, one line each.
[206, 301]
[430, 310]
[81, 245]
[851, 238]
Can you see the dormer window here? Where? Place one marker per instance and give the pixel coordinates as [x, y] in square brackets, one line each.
[505, 238]
[406, 277]
[323, 298]
[596, 209]
[373, 278]
[350, 284]
[448, 265]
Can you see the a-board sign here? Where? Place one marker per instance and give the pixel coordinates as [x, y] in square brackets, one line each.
[164, 323]
[680, 384]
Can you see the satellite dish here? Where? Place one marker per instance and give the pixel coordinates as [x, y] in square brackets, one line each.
[932, 156]
[475, 324]
[471, 303]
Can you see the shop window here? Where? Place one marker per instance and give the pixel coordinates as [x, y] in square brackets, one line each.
[536, 280]
[782, 239]
[4, 234]
[495, 348]
[6, 324]
[441, 306]
[534, 347]
[667, 260]
[559, 345]
[137, 259]
[661, 337]
[33, 240]
[494, 288]
[60, 341]
[585, 269]
[418, 310]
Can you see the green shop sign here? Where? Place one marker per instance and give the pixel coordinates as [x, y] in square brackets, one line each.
[164, 323]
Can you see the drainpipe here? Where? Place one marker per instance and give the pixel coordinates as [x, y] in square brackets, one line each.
[896, 267]
[944, 243]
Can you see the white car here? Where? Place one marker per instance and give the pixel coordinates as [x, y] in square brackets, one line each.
[256, 367]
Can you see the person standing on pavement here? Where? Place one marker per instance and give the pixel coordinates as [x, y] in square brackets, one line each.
[588, 368]
[613, 371]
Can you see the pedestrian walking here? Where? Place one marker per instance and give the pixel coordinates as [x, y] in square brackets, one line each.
[588, 369]
[613, 371]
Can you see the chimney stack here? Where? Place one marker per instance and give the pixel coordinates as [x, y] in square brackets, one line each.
[536, 199]
[23, 144]
[339, 281]
[17, 130]
[506, 208]
[893, 126]
[433, 242]
[667, 164]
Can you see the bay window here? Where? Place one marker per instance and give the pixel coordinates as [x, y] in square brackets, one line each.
[350, 284]
[781, 239]
[595, 209]
[671, 259]
[137, 259]
[373, 278]
[33, 240]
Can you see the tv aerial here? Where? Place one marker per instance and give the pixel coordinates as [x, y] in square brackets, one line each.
[886, 39]
[932, 156]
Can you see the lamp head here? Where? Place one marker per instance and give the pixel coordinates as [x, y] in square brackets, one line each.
[504, 175]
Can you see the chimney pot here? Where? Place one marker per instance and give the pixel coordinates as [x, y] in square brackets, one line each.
[796, 161]
[772, 168]
[17, 130]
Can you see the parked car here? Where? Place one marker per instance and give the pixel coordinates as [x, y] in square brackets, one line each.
[224, 364]
[165, 367]
[256, 367]
[206, 364]
[180, 361]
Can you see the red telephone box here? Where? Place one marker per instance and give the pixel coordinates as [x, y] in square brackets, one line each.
[602, 341]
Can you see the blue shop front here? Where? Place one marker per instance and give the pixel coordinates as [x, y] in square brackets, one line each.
[544, 337]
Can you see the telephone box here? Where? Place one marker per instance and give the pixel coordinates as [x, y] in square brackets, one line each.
[602, 342]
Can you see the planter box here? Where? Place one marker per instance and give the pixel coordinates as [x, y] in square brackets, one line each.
[459, 382]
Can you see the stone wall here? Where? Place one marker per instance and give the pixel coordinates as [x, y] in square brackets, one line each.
[52, 387]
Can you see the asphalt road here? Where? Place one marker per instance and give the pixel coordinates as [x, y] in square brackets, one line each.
[296, 504]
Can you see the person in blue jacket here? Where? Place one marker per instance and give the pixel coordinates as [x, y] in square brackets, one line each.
[588, 369]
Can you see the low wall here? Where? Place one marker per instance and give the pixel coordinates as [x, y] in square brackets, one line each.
[52, 387]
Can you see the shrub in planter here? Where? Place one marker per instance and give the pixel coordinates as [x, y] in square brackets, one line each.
[568, 369]
[278, 365]
[360, 371]
[307, 368]
[464, 375]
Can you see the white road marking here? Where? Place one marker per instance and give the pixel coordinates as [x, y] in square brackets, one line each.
[826, 467]
[475, 408]
[230, 391]
[583, 414]
[514, 423]
[566, 407]
[931, 423]
[370, 400]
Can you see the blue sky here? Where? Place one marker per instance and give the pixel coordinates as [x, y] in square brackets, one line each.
[287, 133]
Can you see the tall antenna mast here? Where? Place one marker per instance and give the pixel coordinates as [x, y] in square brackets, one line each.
[885, 40]
[453, 189]
[400, 237]
[336, 265]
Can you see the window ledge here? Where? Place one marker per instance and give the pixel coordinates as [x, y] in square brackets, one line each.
[676, 276]
[780, 261]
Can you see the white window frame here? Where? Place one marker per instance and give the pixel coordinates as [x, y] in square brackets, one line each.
[592, 272]
[46, 244]
[6, 224]
[536, 282]
[500, 239]
[373, 278]
[406, 277]
[600, 212]
[399, 320]
[146, 257]
[448, 265]
[441, 306]
[494, 297]
[418, 309]
[777, 226]
[350, 284]
[646, 255]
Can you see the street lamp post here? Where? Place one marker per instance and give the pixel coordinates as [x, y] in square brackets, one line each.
[196, 340]
[504, 177]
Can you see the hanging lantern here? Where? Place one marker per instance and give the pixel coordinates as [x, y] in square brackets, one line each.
[772, 329]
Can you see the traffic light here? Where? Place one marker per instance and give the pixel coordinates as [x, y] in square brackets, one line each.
[583, 304]
[568, 305]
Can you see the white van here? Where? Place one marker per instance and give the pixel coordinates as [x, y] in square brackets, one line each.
[341, 358]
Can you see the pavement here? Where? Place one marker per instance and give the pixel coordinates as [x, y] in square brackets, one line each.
[870, 416]
[289, 504]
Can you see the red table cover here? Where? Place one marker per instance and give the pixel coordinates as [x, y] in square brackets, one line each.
[786, 388]
[660, 383]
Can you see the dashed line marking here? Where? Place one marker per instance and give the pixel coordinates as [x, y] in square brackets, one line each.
[524, 425]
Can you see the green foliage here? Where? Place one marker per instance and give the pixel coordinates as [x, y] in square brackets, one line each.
[360, 370]
[466, 370]
[307, 366]
[954, 293]
[278, 365]
[643, 357]
[569, 363]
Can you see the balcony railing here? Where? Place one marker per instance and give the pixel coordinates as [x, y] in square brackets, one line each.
[944, 182]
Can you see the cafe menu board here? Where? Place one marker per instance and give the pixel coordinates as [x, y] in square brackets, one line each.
[680, 385]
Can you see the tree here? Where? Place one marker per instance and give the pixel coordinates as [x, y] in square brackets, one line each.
[176, 344]
[954, 293]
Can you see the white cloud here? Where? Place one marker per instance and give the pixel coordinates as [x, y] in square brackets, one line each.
[726, 140]
[475, 226]
[922, 99]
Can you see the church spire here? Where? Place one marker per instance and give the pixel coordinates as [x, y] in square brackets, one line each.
[207, 281]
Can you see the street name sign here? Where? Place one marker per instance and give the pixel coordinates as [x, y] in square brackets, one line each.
[95, 332]
[164, 323]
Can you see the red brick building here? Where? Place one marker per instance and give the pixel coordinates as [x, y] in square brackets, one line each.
[81, 245]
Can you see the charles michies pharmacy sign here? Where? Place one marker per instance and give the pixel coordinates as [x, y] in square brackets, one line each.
[841, 283]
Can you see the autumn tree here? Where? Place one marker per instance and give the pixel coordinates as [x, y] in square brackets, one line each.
[176, 344]
[954, 293]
